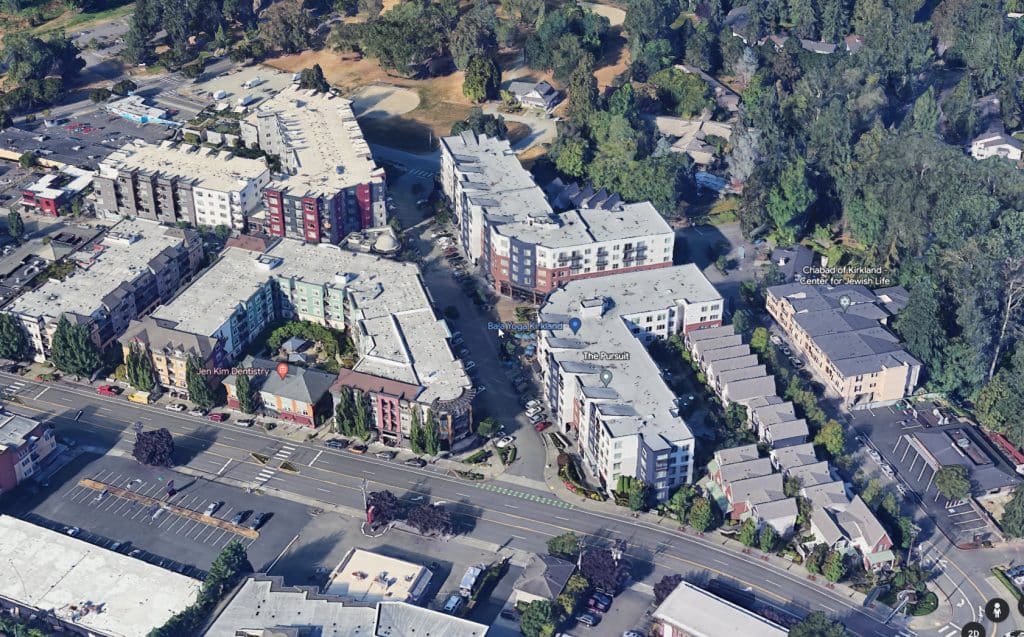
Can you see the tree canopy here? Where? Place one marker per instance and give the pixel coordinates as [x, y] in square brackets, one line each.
[154, 448]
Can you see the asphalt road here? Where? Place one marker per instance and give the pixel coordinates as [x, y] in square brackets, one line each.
[515, 516]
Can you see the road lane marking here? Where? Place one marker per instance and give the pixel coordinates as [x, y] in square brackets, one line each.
[317, 457]
[40, 394]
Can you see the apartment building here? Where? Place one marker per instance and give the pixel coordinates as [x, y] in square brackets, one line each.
[177, 182]
[509, 228]
[383, 304]
[53, 193]
[750, 488]
[691, 611]
[169, 351]
[845, 342]
[135, 266]
[629, 425]
[330, 185]
[24, 445]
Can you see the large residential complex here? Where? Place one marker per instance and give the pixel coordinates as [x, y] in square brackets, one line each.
[629, 425]
[172, 183]
[840, 331]
[137, 265]
[509, 229]
[384, 305]
[169, 350]
[331, 185]
[24, 446]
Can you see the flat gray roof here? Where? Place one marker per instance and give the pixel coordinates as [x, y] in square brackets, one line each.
[219, 170]
[591, 225]
[122, 256]
[703, 614]
[14, 429]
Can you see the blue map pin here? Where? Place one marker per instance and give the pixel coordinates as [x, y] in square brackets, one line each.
[575, 324]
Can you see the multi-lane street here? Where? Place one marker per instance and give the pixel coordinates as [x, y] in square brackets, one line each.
[507, 514]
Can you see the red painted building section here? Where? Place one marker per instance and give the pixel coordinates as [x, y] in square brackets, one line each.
[389, 415]
[699, 326]
[364, 197]
[275, 214]
[43, 204]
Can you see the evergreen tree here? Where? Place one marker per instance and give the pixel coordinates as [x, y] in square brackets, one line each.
[13, 342]
[431, 438]
[789, 201]
[244, 394]
[767, 538]
[748, 532]
[361, 415]
[15, 225]
[313, 79]
[139, 368]
[835, 567]
[701, 516]
[199, 391]
[226, 570]
[72, 350]
[582, 91]
[482, 80]
[924, 118]
[416, 432]
[344, 412]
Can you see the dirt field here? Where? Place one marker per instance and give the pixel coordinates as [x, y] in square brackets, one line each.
[615, 15]
[614, 62]
[381, 100]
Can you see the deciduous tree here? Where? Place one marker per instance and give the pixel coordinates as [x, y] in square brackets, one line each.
[952, 481]
[565, 545]
[386, 507]
[154, 448]
[199, 390]
[665, 586]
[430, 519]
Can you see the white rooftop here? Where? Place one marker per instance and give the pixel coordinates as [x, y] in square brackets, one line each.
[591, 225]
[121, 257]
[14, 428]
[210, 168]
[393, 307]
[638, 400]
[58, 573]
[368, 577]
[326, 148]
[700, 613]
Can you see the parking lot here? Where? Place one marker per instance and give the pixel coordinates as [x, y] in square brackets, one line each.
[82, 140]
[234, 83]
[887, 454]
[158, 531]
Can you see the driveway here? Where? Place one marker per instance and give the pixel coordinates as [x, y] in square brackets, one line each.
[542, 128]
[702, 245]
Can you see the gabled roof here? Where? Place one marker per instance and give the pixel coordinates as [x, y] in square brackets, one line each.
[795, 456]
[545, 576]
[745, 470]
[758, 490]
[161, 337]
[736, 454]
[299, 383]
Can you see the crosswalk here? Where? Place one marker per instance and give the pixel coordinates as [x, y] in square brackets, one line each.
[525, 496]
[949, 630]
[267, 473]
[12, 389]
[422, 173]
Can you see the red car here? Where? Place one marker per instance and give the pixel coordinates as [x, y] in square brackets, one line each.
[542, 425]
[216, 417]
[107, 390]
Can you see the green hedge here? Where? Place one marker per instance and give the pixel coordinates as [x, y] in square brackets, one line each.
[1005, 579]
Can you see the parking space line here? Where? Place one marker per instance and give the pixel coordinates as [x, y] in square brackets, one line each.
[119, 508]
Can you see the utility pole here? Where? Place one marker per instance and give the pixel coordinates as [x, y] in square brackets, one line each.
[363, 486]
[579, 554]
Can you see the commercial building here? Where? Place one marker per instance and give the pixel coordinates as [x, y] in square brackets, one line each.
[24, 446]
[173, 183]
[301, 395]
[52, 193]
[330, 184]
[404, 359]
[840, 332]
[543, 578]
[601, 383]
[263, 606]
[370, 578]
[169, 351]
[134, 267]
[84, 588]
[691, 611]
[508, 227]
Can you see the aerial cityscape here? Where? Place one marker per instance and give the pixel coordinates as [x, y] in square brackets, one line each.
[487, 318]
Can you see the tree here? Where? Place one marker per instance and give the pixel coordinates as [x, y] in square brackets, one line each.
[154, 448]
[361, 414]
[99, 95]
[832, 437]
[815, 559]
[538, 619]
[746, 66]
[474, 35]
[665, 586]
[287, 25]
[835, 567]
[139, 368]
[28, 160]
[431, 519]
[789, 200]
[682, 93]
[701, 516]
[386, 507]
[244, 394]
[124, 87]
[818, 625]
[482, 124]
[582, 91]
[431, 436]
[226, 570]
[952, 482]
[1012, 522]
[199, 390]
[681, 500]
[13, 341]
[416, 431]
[313, 79]
[767, 538]
[602, 570]
[566, 546]
[748, 532]
[482, 80]
[487, 427]
[15, 225]
[344, 412]
[924, 118]
[72, 349]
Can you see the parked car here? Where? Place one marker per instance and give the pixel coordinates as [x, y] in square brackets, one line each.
[632, 633]
[453, 604]
[386, 455]
[246, 422]
[72, 531]
[542, 425]
[415, 462]
[469, 365]
[533, 404]
[510, 613]
[503, 442]
[257, 521]
[601, 599]
[357, 448]
[217, 417]
[239, 517]
[197, 412]
[108, 390]
[336, 444]
[535, 409]
[589, 619]
[599, 605]
[212, 508]
[178, 407]
[537, 417]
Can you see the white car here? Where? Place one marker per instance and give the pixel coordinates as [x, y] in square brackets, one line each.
[537, 417]
[536, 409]
[533, 404]
[197, 412]
[504, 442]
[469, 365]
[178, 407]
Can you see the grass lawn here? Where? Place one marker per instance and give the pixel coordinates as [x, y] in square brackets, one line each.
[72, 20]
